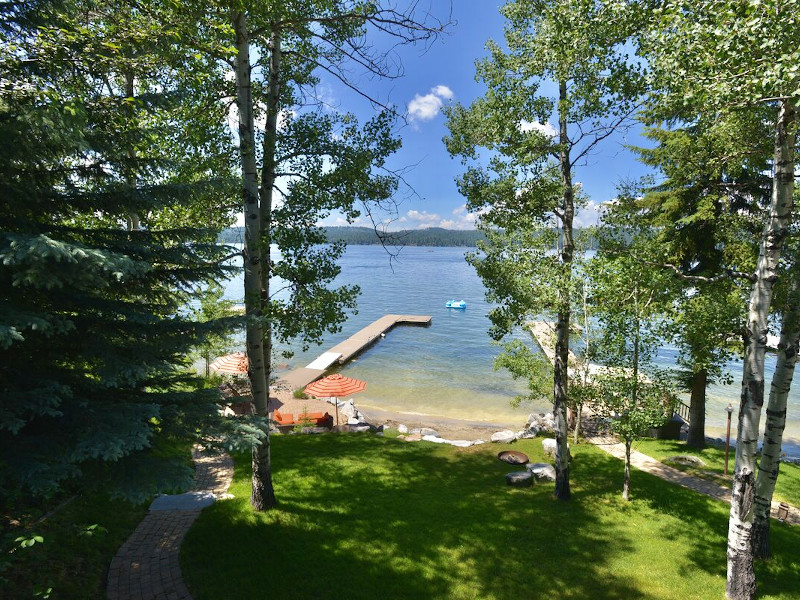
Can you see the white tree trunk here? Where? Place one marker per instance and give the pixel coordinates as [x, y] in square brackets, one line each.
[776, 422]
[268, 184]
[560, 372]
[741, 583]
[262, 494]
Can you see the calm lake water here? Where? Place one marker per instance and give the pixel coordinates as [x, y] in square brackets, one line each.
[447, 369]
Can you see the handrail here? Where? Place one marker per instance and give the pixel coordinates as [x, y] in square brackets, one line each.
[682, 410]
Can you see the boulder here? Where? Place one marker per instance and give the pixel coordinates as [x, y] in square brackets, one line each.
[542, 471]
[549, 447]
[414, 437]
[686, 459]
[541, 423]
[459, 443]
[504, 437]
[428, 431]
[313, 430]
[402, 428]
[520, 478]
[434, 438]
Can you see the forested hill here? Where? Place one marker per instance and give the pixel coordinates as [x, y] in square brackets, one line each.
[434, 236]
[366, 236]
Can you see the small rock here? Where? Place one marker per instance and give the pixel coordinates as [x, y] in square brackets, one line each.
[542, 471]
[414, 437]
[380, 434]
[313, 430]
[520, 478]
[478, 442]
[459, 443]
[504, 437]
[549, 446]
[686, 459]
[434, 438]
[359, 428]
[416, 430]
[402, 428]
[428, 431]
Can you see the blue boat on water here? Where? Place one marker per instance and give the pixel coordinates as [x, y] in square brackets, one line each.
[456, 304]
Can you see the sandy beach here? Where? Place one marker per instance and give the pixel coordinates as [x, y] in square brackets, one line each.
[447, 427]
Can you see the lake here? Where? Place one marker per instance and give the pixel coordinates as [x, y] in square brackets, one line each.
[447, 369]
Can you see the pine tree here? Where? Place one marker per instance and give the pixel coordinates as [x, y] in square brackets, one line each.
[93, 326]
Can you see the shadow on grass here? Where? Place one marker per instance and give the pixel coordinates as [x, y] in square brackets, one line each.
[367, 517]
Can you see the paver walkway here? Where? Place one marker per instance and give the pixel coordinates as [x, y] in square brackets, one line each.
[146, 566]
[709, 488]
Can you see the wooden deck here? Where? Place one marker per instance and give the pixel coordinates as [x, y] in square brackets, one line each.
[544, 334]
[341, 353]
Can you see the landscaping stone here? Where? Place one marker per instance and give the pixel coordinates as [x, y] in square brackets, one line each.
[686, 459]
[187, 501]
[414, 437]
[460, 443]
[520, 478]
[540, 423]
[428, 431]
[402, 428]
[359, 428]
[542, 471]
[504, 437]
[434, 438]
[549, 447]
[314, 430]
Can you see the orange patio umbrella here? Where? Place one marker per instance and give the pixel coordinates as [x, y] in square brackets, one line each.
[233, 364]
[335, 386]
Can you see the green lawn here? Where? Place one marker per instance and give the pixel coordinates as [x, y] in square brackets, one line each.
[368, 517]
[787, 488]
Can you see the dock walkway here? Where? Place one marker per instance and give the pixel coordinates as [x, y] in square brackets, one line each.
[346, 350]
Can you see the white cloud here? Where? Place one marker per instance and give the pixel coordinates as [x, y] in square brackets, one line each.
[443, 92]
[423, 220]
[425, 108]
[543, 128]
[589, 215]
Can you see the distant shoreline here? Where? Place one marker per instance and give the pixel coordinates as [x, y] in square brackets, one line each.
[366, 236]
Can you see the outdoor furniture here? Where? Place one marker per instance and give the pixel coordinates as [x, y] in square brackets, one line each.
[317, 419]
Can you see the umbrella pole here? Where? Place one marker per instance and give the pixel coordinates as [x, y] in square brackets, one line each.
[336, 408]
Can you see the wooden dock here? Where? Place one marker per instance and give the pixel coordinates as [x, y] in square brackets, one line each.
[544, 334]
[352, 346]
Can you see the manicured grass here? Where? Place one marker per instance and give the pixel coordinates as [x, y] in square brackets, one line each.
[787, 488]
[367, 517]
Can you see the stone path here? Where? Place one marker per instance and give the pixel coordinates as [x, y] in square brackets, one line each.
[147, 565]
[659, 469]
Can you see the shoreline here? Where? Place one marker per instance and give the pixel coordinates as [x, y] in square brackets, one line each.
[447, 427]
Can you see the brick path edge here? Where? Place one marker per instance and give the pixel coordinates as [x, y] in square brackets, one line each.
[147, 566]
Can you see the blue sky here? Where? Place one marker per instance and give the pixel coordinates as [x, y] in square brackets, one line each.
[444, 73]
